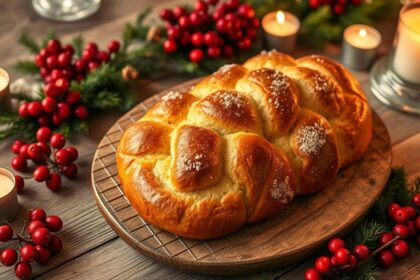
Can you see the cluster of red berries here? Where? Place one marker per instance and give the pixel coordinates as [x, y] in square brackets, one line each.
[58, 68]
[210, 29]
[337, 6]
[48, 169]
[391, 244]
[37, 243]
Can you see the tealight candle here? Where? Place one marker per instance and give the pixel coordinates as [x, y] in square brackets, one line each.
[281, 30]
[407, 50]
[359, 46]
[8, 196]
[4, 90]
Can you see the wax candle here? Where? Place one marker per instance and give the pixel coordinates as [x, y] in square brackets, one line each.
[8, 196]
[359, 46]
[4, 90]
[281, 29]
[407, 51]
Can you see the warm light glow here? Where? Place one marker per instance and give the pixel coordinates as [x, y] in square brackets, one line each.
[362, 32]
[280, 17]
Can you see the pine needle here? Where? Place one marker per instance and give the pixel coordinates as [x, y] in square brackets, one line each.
[28, 42]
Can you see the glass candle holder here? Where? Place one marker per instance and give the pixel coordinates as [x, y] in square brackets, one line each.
[66, 10]
[395, 79]
[4, 90]
[9, 205]
[281, 31]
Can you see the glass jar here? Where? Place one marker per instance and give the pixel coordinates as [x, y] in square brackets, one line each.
[66, 10]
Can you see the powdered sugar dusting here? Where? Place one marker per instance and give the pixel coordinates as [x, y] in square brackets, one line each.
[311, 139]
[172, 95]
[278, 88]
[192, 164]
[268, 52]
[281, 190]
[322, 83]
[226, 68]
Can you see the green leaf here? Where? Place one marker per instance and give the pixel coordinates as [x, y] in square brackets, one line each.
[26, 67]
[28, 42]
[77, 43]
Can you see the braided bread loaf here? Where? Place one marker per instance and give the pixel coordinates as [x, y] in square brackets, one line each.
[243, 143]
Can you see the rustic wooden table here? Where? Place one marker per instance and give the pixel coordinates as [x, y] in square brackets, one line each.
[92, 250]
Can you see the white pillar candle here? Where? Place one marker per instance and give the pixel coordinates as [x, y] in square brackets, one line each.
[281, 30]
[8, 196]
[4, 90]
[407, 51]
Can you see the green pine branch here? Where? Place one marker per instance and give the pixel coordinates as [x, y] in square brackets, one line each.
[26, 67]
[28, 42]
[77, 43]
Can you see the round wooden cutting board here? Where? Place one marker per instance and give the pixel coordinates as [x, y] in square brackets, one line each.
[288, 238]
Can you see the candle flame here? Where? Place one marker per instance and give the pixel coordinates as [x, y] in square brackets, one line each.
[362, 32]
[280, 17]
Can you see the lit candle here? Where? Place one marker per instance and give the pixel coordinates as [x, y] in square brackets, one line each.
[281, 29]
[359, 46]
[8, 196]
[4, 90]
[407, 51]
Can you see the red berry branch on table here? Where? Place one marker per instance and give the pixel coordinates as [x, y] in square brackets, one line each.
[36, 242]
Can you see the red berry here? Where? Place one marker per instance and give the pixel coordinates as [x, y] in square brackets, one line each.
[200, 6]
[8, 257]
[70, 171]
[23, 270]
[223, 25]
[43, 134]
[185, 38]
[228, 51]
[173, 33]
[166, 14]
[49, 104]
[43, 71]
[103, 56]
[334, 261]
[412, 230]
[400, 215]
[312, 274]
[178, 12]
[213, 51]
[246, 10]
[72, 151]
[52, 62]
[81, 112]
[169, 46]
[45, 148]
[20, 184]
[91, 47]
[68, 49]
[211, 38]
[51, 90]
[417, 223]
[56, 119]
[343, 256]
[80, 65]
[41, 173]
[54, 181]
[37, 214]
[244, 44]
[196, 55]
[64, 110]
[88, 55]
[53, 223]
[56, 74]
[400, 248]
[55, 244]
[43, 254]
[35, 152]
[184, 22]
[64, 59]
[197, 39]
[314, 3]
[212, 2]
[232, 4]
[93, 65]
[353, 260]
[24, 151]
[113, 46]
[41, 236]
[323, 264]
[62, 157]
[32, 226]
[35, 108]
[68, 73]
[17, 145]
[411, 212]
[6, 233]
[401, 230]
[53, 46]
[416, 200]
[361, 251]
[62, 85]
[335, 244]
[385, 258]
[338, 9]
[385, 238]
[44, 121]
[28, 253]
[19, 163]
[73, 97]
[23, 110]
[197, 18]
[58, 140]
[39, 61]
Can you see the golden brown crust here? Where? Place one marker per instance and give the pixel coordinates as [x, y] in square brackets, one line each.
[197, 158]
[243, 144]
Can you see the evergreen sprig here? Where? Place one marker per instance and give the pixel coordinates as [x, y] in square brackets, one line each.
[26, 67]
[15, 126]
